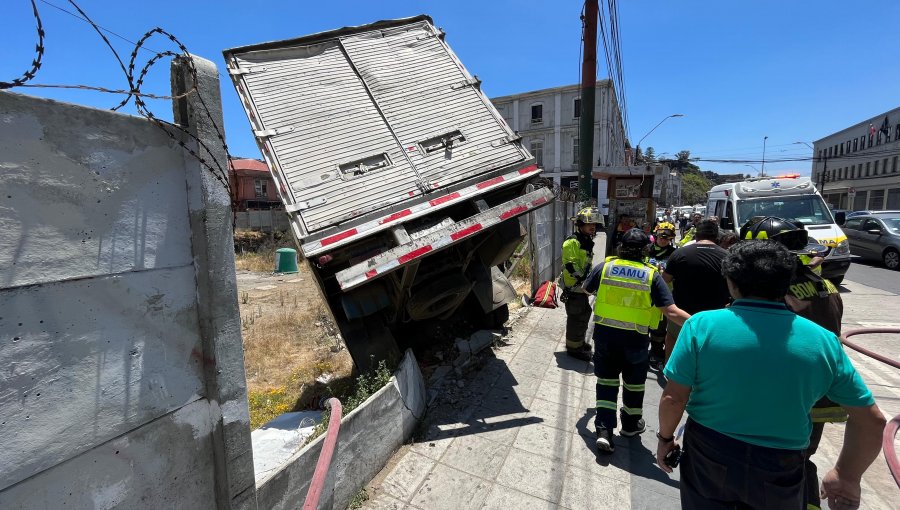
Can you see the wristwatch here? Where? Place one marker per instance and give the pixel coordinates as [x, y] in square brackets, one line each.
[663, 438]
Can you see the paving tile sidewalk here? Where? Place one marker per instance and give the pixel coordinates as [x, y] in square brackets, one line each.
[525, 439]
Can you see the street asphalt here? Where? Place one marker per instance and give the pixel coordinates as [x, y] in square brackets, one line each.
[522, 434]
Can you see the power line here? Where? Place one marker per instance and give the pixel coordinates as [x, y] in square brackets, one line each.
[110, 32]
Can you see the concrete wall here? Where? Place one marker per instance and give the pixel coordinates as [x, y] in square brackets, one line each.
[266, 221]
[122, 380]
[368, 437]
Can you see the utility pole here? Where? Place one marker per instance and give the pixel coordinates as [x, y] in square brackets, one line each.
[763, 167]
[588, 93]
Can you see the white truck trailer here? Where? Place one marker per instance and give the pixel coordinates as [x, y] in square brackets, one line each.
[402, 182]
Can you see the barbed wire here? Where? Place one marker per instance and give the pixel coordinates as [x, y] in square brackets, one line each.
[208, 161]
[36, 63]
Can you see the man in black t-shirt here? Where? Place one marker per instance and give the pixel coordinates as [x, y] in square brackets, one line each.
[695, 272]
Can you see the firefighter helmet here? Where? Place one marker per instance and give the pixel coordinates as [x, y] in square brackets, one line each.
[665, 229]
[792, 236]
[587, 216]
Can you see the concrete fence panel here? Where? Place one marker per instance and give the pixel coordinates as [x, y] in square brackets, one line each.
[122, 381]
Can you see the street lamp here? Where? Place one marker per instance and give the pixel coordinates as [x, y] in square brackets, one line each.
[754, 169]
[638, 146]
[762, 172]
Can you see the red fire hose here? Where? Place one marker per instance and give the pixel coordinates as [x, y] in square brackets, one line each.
[324, 462]
[890, 432]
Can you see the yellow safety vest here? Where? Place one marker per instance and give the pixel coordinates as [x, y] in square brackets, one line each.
[572, 253]
[806, 259]
[623, 297]
[688, 236]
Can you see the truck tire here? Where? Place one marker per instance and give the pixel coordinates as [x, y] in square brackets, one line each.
[369, 341]
[439, 299]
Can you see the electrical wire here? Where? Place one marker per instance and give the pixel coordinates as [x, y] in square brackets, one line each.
[134, 87]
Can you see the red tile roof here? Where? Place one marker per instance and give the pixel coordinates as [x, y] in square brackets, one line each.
[242, 165]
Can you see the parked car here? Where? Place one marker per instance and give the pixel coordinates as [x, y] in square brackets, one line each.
[875, 236]
[865, 213]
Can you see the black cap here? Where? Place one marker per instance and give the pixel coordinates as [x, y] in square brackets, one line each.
[635, 238]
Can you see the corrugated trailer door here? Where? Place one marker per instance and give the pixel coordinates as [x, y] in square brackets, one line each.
[447, 126]
[323, 133]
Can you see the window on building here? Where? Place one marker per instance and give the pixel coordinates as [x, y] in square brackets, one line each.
[260, 186]
[893, 198]
[876, 199]
[871, 140]
[576, 107]
[820, 153]
[894, 166]
[842, 149]
[868, 167]
[537, 150]
[875, 170]
[878, 138]
[897, 132]
[852, 171]
[829, 152]
[855, 144]
[575, 152]
[537, 113]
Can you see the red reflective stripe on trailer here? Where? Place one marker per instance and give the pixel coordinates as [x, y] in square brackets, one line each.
[514, 211]
[466, 231]
[441, 200]
[414, 254]
[489, 182]
[542, 200]
[371, 274]
[339, 237]
[395, 216]
[527, 169]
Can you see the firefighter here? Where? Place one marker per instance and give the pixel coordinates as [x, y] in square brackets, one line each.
[577, 260]
[631, 298]
[657, 256]
[815, 298]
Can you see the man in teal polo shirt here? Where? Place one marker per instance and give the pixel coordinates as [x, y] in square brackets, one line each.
[749, 375]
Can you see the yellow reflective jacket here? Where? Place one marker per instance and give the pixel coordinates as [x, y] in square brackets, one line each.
[623, 297]
[574, 256]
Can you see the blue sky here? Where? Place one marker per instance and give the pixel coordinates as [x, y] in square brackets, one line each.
[738, 71]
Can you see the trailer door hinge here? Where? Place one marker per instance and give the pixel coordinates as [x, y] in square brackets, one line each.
[505, 140]
[238, 71]
[268, 133]
[470, 82]
[307, 204]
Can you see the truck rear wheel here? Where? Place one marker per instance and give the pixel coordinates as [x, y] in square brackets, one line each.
[369, 341]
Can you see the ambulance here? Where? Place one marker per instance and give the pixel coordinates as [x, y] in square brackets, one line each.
[791, 197]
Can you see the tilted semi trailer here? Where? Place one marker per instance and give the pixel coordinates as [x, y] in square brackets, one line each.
[402, 181]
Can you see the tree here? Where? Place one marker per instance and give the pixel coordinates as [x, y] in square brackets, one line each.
[650, 155]
[694, 188]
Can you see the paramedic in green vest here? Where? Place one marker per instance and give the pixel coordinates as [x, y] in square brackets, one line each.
[632, 297]
[577, 260]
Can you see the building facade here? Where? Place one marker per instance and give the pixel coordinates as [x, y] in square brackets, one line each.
[252, 187]
[858, 168]
[548, 121]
